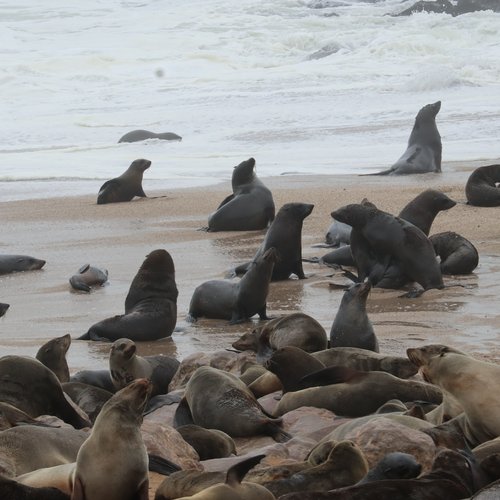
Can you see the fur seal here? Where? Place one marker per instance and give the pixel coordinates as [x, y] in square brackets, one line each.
[285, 234]
[187, 482]
[350, 393]
[112, 464]
[395, 465]
[87, 277]
[3, 308]
[18, 263]
[338, 234]
[457, 254]
[231, 407]
[250, 207]
[30, 386]
[150, 306]
[392, 238]
[424, 150]
[208, 443]
[482, 189]
[125, 187]
[96, 378]
[125, 366]
[471, 382]
[12, 490]
[351, 326]
[297, 329]
[236, 301]
[142, 135]
[88, 397]
[53, 355]
[10, 416]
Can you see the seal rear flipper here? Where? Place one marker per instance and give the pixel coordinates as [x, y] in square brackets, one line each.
[183, 414]
[277, 433]
[329, 376]
[237, 472]
[384, 172]
[162, 465]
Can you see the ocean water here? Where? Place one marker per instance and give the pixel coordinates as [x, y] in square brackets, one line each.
[304, 86]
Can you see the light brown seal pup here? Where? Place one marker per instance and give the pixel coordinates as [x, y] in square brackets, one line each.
[53, 355]
[482, 189]
[231, 407]
[236, 301]
[125, 187]
[112, 464]
[208, 443]
[18, 263]
[142, 135]
[150, 306]
[457, 254]
[125, 366]
[250, 207]
[87, 277]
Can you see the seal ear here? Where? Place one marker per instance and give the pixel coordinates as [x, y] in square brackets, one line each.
[237, 472]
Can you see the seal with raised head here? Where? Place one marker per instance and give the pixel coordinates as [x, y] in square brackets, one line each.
[457, 254]
[125, 365]
[482, 188]
[142, 135]
[250, 207]
[236, 301]
[424, 150]
[231, 407]
[112, 464]
[53, 355]
[87, 277]
[18, 263]
[351, 326]
[125, 187]
[150, 306]
[208, 443]
[285, 234]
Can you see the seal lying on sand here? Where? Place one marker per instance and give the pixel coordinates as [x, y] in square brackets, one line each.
[482, 187]
[125, 187]
[250, 207]
[231, 407]
[87, 277]
[142, 135]
[424, 150]
[150, 306]
[236, 301]
[458, 255]
[17, 263]
[53, 355]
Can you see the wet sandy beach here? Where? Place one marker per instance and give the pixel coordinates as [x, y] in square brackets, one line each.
[69, 232]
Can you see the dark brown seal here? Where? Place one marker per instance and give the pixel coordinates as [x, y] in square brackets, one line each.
[125, 187]
[150, 306]
[12, 490]
[208, 443]
[457, 254]
[87, 277]
[18, 263]
[482, 189]
[89, 398]
[53, 355]
[142, 135]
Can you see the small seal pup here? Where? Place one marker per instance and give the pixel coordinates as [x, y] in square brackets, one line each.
[424, 150]
[53, 355]
[231, 407]
[236, 301]
[150, 306]
[3, 308]
[285, 234]
[125, 366]
[338, 234]
[112, 464]
[142, 135]
[482, 189]
[457, 254]
[87, 277]
[250, 207]
[18, 263]
[351, 326]
[125, 187]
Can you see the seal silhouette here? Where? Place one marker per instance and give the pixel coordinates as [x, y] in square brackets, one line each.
[150, 306]
[482, 189]
[87, 277]
[18, 263]
[53, 355]
[250, 207]
[457, 254]
[125, 187]
[142, 135]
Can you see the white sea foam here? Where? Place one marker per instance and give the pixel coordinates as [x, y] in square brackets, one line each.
[234, 79]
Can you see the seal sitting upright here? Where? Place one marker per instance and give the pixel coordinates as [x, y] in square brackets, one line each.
[125, 187]
[250, 207]
[482, 187]
[150, 306]
[424, 150]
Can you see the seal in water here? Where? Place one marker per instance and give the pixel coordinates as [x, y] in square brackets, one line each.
[18, 263]
[457, 254]
[352, 327]
[142, 135]
[125, 366]
[112, 463]
[424, 150]
[125, 187]
[236, 301]
[482, 188]
[150, 306]
[250, 207]
[231, 407]
[53, 355]
[285, 234]
[87, 277]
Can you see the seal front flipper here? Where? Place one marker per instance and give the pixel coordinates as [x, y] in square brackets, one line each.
[276, 432]
[162, 465]
[237, 472]
[226, 200]
[140, 192]
[183, 414]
